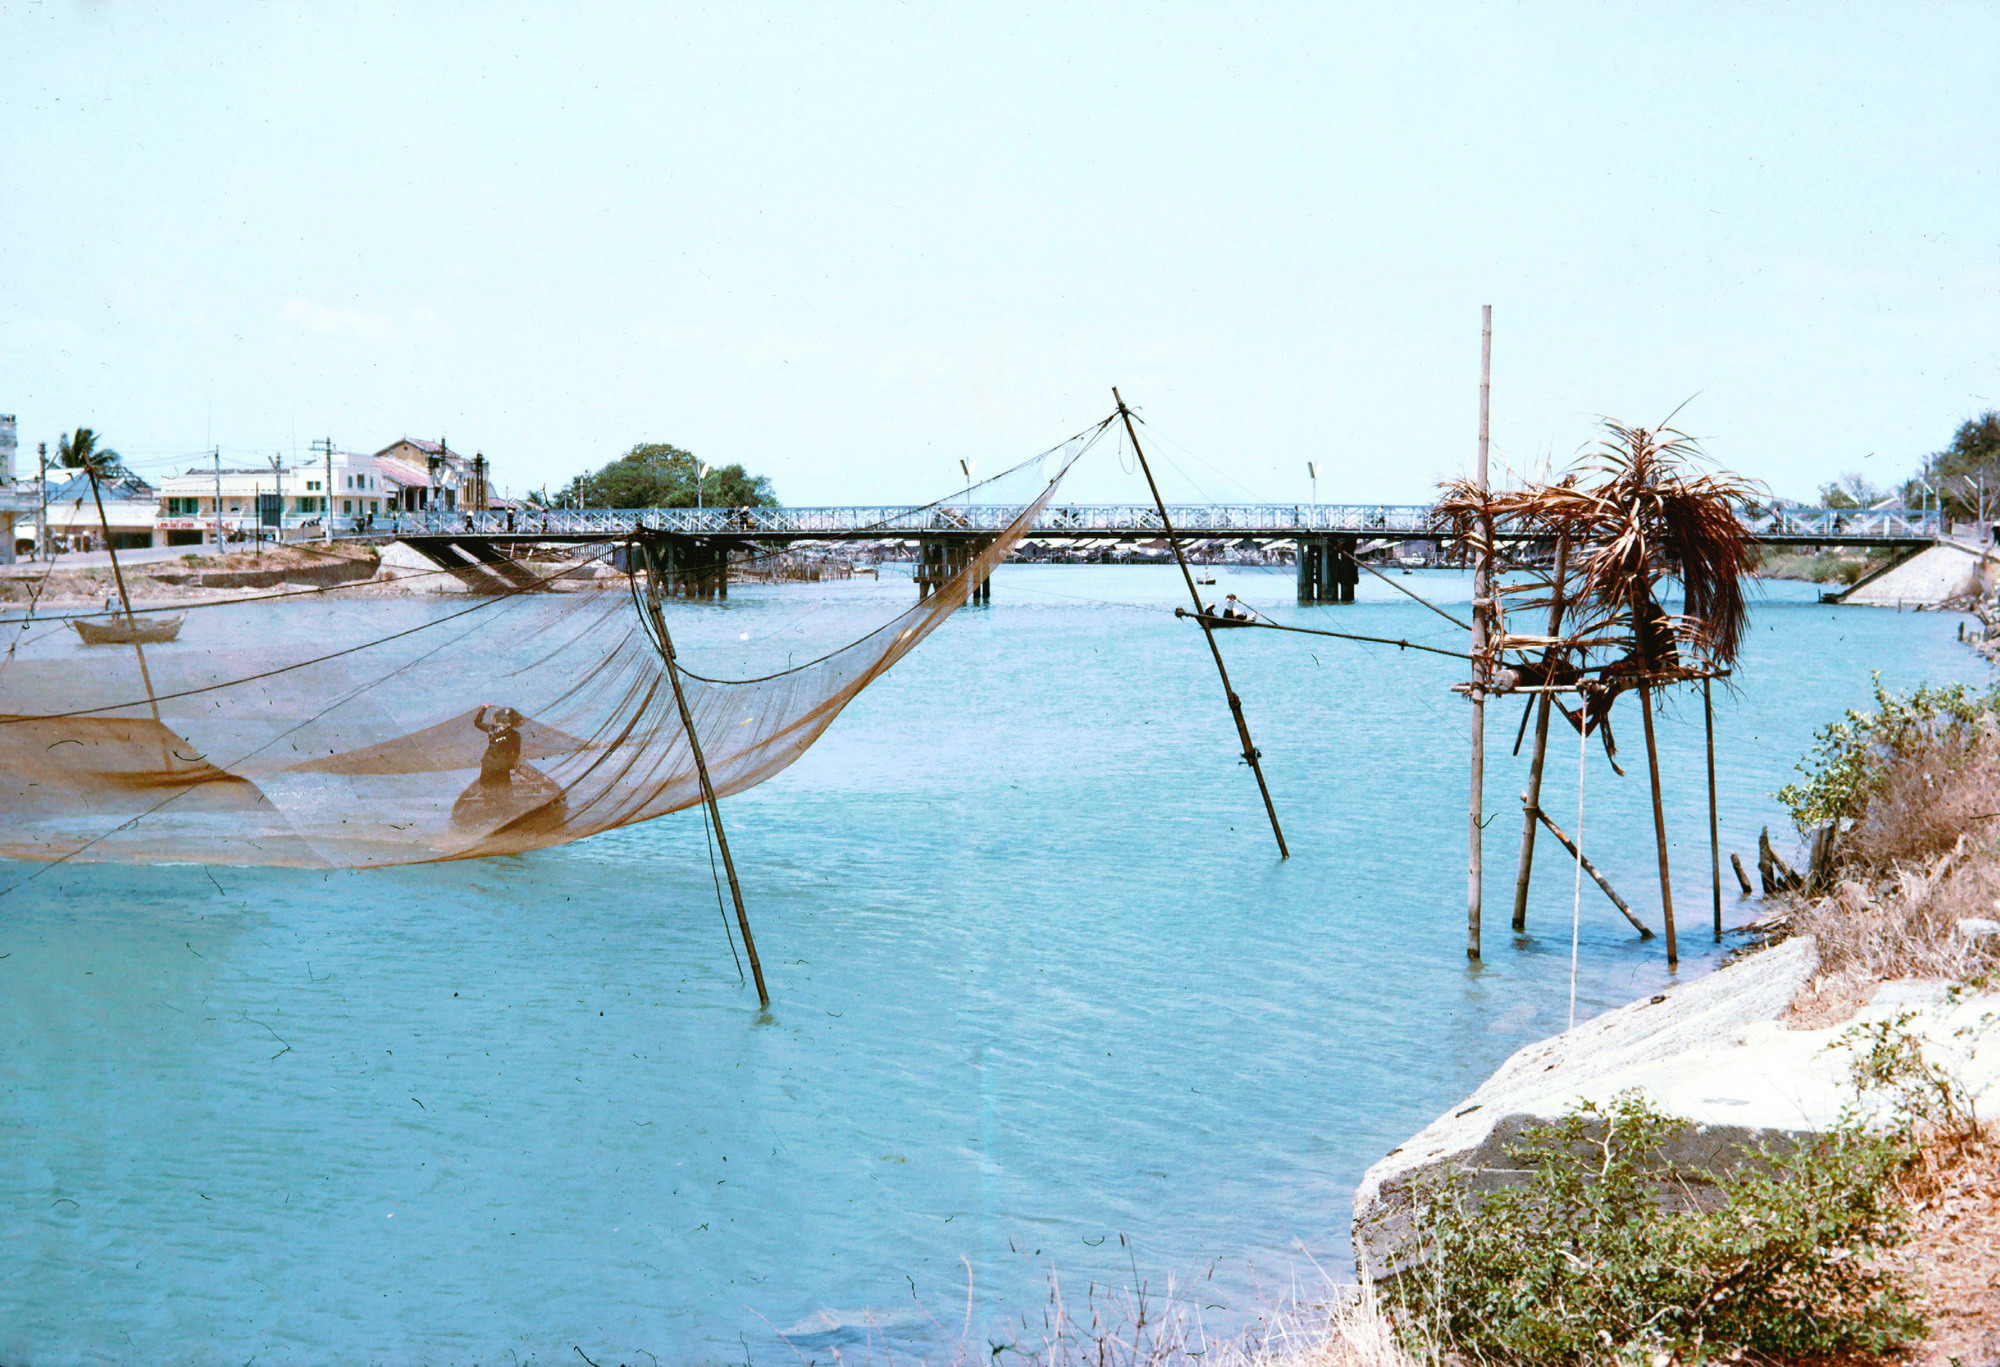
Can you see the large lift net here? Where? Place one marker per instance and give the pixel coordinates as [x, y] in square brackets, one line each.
[314, 732]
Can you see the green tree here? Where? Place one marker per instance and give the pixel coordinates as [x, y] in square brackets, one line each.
[1966, 474]
[656, 475]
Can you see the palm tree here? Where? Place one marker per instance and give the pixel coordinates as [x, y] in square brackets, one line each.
[80, 451]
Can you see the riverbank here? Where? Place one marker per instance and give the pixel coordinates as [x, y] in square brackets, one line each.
[1866, 1012]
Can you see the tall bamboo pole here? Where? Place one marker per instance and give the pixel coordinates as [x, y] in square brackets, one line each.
[1714, 835]
[1542, 708]
[1250, 752]
[708, 796]
[1482, 606]
[1659, 824]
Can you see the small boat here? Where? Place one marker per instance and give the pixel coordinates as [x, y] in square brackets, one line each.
[1214, 619]
[1209, 580]
[129, 631]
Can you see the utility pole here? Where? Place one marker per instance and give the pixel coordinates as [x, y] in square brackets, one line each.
[278, 472]
[42, 538]
[326, 504]
[219, 549]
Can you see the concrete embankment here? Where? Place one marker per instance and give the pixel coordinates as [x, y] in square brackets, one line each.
[1951, 569]
[1716, 1051]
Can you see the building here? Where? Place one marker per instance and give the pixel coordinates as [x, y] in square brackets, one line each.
[359, 492]
[433, 477]
[17, 497]
[285, 502]
[131, 511]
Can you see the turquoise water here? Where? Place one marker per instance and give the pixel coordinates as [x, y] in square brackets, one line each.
[1044, 1003]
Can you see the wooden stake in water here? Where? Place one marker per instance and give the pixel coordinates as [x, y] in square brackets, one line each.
[1482, 606]
[1207, 631]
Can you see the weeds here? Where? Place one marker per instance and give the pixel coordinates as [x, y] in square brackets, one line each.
[1588, 1260]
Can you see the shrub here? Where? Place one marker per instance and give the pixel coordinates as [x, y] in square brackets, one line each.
[1895, 780]
[1585, 1260]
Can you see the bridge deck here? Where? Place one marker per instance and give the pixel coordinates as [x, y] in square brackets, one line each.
[1091, 522]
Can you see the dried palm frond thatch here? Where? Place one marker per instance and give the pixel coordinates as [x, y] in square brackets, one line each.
[1635, 510]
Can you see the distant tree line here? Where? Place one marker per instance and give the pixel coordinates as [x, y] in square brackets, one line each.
[1964, 478]
[656, 475]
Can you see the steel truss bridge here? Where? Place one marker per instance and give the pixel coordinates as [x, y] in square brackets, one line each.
[1260, 522]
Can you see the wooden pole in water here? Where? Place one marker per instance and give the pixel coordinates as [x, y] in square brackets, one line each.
[1659, 824]
[1542, 708]
[1714, 836]
[1482, 603]
[714, 808]
[1250, 752]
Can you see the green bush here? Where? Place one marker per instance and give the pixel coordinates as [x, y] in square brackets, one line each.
[1852, 758]
[1583, 1262]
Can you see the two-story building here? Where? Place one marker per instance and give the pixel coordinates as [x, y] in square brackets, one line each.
[358, 491]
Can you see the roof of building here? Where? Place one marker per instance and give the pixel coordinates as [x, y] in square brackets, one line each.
[122, 485]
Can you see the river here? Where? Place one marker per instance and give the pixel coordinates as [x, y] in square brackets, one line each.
[1044, 1003]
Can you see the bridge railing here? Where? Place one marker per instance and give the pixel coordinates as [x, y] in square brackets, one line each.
[1807, 524]
[1095, 520]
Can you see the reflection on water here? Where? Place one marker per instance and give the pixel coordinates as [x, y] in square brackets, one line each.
[1038, 982]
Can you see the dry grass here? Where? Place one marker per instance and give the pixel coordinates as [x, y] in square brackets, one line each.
[1344, 1327]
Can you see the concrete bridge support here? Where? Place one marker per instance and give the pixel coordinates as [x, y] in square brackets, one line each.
[1327, 571]
[940, 559]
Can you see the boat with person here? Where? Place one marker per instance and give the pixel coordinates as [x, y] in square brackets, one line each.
[126, 629]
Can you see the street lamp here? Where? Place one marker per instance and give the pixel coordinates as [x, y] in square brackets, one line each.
[700, 474]
[968, 466]
[1312, 473]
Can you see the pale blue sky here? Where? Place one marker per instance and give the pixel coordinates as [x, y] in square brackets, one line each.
[847, 244]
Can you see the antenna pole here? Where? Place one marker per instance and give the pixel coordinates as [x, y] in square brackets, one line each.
[1250, 752]
[1482, 607]
[708, 796]
[218, 501]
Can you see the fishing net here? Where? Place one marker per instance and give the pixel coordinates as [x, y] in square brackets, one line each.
[317, 731]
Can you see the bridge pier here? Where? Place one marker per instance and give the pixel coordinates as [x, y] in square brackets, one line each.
[692, 566]
[940, 559]
[1327, 571]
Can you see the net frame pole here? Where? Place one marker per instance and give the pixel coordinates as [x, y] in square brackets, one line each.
[1250, 753]
[110, 550]
[708, 797]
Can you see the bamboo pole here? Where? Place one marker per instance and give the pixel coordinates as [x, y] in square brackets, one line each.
[714, 807]
[1482, 606]
[1659, 824]
[1535, 763]
[1714, 834]
[1562, 838]
[1250, 752]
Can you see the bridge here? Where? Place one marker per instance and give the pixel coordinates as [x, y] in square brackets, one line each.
[1261, 522]
[691, 547]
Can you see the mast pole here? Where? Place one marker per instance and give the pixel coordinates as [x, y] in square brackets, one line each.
[1250, 752]
[714, 807]
[109, 549]
[1482, 603]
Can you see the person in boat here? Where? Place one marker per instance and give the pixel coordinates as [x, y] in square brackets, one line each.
[503, 745]
[1235, 610]
[506, 791]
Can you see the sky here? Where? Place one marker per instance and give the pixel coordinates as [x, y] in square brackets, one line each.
[850, 244]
